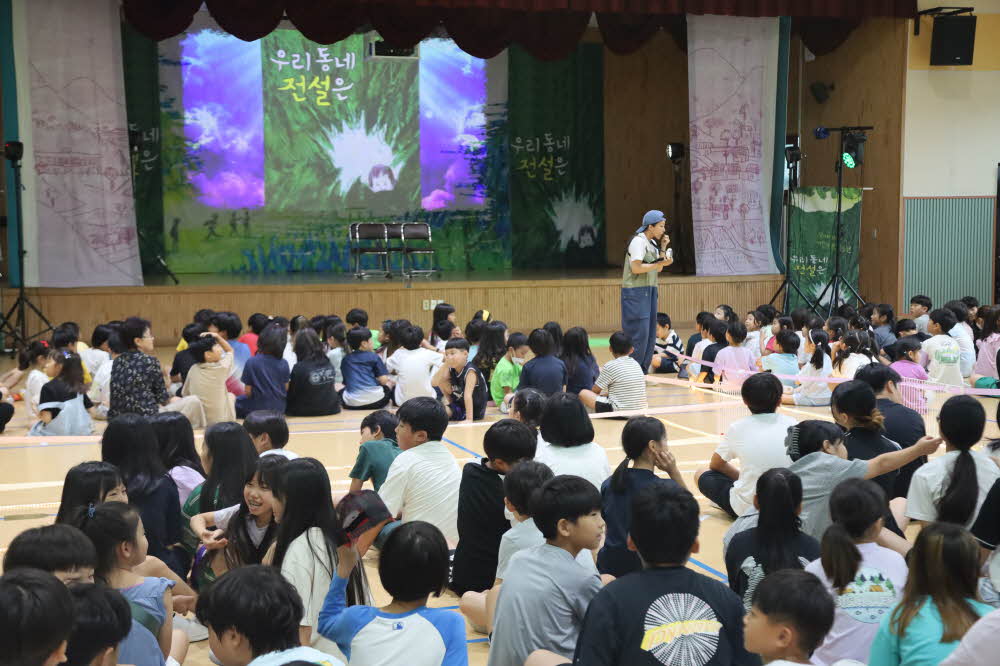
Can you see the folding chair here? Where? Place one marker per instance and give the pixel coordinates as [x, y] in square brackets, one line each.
[394, 244]
[420, 232]
[369, 238]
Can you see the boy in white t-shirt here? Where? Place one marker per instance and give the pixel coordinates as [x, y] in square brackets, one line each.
[423, 480]
[941, 354]
[100, 389]
[621, 386]
[758, 442]
[413, 366]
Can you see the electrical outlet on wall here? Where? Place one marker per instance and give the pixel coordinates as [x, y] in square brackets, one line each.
[427, 305]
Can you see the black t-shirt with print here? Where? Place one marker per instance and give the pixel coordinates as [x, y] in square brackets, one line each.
[311, 390]
[745, 573]
[664, 617]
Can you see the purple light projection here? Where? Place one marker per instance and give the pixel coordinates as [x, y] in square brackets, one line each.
[224, 118]
[452, 125]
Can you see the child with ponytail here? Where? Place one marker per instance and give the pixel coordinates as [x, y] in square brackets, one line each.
[818, 365]
[63, 405]
[953, 487]
[119, 538]
[777, 542]
[853, 352]
[644, 440]
[854, 408]
[939, 602]
[851, 566]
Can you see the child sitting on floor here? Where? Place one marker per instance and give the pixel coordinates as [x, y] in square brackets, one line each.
[413, 365]
[413, 566]
[213, 358]
[507, 373]
[461, 383]
[621, 386]
[813, 393]
[784, 360]
[791, 614]
[735, 362]
[545, 372]
[423, 480]
[667, 341]
[268, 431]
[567, 511]
[253, 615]
[64, 407]
[36, 617]
[366, 381]
[377, 451]
[481, 520]
[103, 620]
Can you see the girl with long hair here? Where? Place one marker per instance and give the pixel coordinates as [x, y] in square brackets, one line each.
[244, 532]
[777, 542]
[175, 439]
[769, 344]
[229, 458]
[336, 340]
[853, 351]
[857, 571]
[34, 358]
[854, 408]
[312, 383]
[527, 406]
[644, 440]
[953, 487]
[442, 312]
[306, 542]
[581, 366]
[492, 348]
[939, 601]
[987, 347]
[130, 444]
[117, 531]
[554, 329]
[92, 482]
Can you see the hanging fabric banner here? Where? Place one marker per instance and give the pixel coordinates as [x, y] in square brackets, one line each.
[732, 74]
[812, 228]
[80, 224]
[557, 159]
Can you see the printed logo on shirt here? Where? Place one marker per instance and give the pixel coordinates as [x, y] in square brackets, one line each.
[397, 626]
[948, 355]
[681, 630]
[868, 597]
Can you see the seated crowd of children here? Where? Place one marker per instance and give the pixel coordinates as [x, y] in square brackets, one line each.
[556, 557]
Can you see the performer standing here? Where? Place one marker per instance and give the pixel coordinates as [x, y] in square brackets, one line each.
[647, 255]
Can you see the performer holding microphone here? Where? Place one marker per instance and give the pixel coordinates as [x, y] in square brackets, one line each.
[647, 255]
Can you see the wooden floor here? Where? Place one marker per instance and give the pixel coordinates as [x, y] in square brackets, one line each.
[31, 469]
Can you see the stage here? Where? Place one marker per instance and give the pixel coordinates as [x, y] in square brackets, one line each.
[524, 299]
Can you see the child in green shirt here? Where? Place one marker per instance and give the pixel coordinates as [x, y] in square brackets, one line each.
[507, 373]
[378, 450]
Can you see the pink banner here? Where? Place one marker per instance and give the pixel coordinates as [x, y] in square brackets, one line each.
[82, 187]
[732, 74]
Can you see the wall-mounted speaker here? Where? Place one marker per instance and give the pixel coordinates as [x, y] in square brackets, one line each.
[954, 40]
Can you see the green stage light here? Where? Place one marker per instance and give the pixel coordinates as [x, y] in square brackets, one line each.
[848, 160]
[854, 149]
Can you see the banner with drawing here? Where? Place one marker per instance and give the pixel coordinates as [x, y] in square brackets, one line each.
[557, 159]
[78, 213]
[732, 73]
[812, 229]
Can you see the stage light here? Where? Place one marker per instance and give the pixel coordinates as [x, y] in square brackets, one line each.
[793, 155]
[854, 149]
[675, 151]
[13, 150]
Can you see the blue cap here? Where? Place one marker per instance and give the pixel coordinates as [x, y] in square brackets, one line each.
[651, 218]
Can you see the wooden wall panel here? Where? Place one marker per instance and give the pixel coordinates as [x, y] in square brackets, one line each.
[869, 73]
[523, 304]
[645, 108]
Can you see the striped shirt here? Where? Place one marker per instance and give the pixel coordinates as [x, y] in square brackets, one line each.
[624, 383]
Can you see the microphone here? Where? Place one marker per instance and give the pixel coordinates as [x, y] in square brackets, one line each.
[821, 133]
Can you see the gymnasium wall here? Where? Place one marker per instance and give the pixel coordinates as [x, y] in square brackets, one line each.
[951, 151]
[869, 75]
[645, 108]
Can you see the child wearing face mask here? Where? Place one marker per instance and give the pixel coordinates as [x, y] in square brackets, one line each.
[507, 374]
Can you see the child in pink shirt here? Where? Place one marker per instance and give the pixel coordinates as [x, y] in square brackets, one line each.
[735, 362]
[908, 367]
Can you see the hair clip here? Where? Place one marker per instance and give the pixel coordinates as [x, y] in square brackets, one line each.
[90, 510]
[792, 442]
[45, 343]
[486, 315]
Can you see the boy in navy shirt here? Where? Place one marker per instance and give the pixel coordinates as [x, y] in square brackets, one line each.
[462, 383]
[666, 613]
[545, 372]
[366, 381]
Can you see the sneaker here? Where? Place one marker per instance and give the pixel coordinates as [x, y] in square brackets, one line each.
[194, 629]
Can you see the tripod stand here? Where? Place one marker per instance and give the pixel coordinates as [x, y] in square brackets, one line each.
[838, 279]
[17, 328]
[134, 138]
[789, 281]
